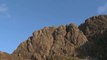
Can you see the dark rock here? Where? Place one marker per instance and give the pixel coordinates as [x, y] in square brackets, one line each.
[95, 29]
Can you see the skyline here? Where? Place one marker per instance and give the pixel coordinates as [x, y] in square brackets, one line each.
[19, 19]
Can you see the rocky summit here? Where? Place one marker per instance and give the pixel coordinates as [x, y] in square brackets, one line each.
[69, 42]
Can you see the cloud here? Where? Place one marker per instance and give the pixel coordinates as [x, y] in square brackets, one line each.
[3, 8]
[4, 11]
[102, 9]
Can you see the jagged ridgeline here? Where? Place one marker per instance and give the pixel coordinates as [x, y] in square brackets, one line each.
[69, 42]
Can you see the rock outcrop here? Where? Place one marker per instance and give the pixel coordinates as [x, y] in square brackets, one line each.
[95, 29]
[52, 43]
[86, 42]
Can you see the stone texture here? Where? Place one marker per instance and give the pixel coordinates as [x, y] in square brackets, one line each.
[95, 29]
[50, 41]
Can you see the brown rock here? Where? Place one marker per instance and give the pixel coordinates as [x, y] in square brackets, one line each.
[50, 42]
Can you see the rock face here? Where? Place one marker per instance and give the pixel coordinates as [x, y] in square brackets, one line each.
[95, 29]
[52, 43]
[86, 42]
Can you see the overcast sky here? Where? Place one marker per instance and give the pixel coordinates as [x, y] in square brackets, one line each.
[19, 18]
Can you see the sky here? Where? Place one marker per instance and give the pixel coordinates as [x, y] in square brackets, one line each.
[20, 18]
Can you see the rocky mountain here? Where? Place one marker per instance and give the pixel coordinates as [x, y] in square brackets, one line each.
[95, 29]
[51, 43]
[86, 42]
